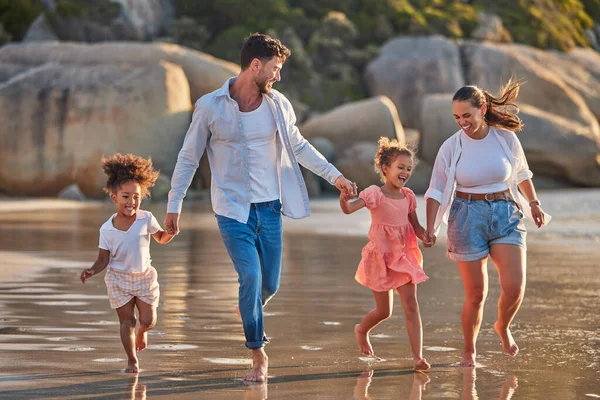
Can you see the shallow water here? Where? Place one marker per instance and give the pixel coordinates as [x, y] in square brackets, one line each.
[58, 338]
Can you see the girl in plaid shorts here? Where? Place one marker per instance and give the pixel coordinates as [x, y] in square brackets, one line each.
[124, 247]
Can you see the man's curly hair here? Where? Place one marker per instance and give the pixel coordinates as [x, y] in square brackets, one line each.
[122, 168]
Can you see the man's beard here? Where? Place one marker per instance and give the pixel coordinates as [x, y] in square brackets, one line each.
[264, 86]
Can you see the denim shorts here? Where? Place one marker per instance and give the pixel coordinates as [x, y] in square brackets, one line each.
[475, 225]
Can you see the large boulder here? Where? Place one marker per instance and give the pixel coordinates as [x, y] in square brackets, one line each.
[437, 124]
[408, 68]
[545, 88]
[560, 148]
[356, 163]
[57, 121]
[364, 120]
[204, 72]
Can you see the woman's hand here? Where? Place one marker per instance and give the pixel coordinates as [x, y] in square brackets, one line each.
[538, 214]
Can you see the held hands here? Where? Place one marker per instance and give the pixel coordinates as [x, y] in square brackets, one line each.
[346, 187]
[87, 274]
[172, 223]
[429, 239]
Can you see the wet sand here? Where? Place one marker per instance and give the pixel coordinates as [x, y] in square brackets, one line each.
[59, 338]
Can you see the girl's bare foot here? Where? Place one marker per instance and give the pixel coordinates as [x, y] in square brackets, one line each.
[260, 366]
[468, 359]
[508, 343]
[141, 341]
[421, 365]
[363, 341]
[132, 367]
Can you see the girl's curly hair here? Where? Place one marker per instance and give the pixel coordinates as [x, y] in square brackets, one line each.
[387, 152]
[122, 168]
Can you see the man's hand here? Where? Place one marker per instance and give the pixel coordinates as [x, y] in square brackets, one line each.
[172, 223]
[345, 186]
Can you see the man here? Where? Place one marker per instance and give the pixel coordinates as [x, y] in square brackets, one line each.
[254, 147]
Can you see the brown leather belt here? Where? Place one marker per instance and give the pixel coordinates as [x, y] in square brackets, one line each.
[505, 195]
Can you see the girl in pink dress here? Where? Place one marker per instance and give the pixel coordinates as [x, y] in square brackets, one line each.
[392, 259]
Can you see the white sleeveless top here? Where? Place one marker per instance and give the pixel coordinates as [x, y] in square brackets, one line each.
[483, 166]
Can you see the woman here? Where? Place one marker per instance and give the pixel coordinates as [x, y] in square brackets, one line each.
[475, 189]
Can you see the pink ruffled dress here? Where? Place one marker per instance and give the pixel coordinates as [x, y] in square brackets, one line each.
[392, 257]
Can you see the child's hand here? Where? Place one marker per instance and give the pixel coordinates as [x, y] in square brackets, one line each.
[87, 274]
[429, 239]
[346, 195]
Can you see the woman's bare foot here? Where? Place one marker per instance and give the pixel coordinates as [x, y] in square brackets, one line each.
[141, 341]
[468, 359]
[363, 341]
[132, 367]
[508, 343]
[421, 364]
[260, 366]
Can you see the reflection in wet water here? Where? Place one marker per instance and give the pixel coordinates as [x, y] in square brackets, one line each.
[59, 339]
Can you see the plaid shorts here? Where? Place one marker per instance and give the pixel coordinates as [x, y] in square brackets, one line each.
[124, 286]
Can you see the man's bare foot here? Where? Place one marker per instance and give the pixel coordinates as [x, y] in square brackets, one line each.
[508, 343]
[421, 365]
[260, 366]
[468, 359]
[132, 367]
[141, 341]
[363, 341]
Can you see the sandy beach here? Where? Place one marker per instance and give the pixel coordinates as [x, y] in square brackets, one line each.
[59, 338]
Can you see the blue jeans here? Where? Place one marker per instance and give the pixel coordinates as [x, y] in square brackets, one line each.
[255, 249]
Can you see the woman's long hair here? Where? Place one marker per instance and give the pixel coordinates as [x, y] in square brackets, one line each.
[501, 109]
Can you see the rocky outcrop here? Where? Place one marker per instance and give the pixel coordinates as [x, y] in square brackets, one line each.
[204, 73]
[365, 120]
[57, 121]
[409, 68]
[545, 88]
